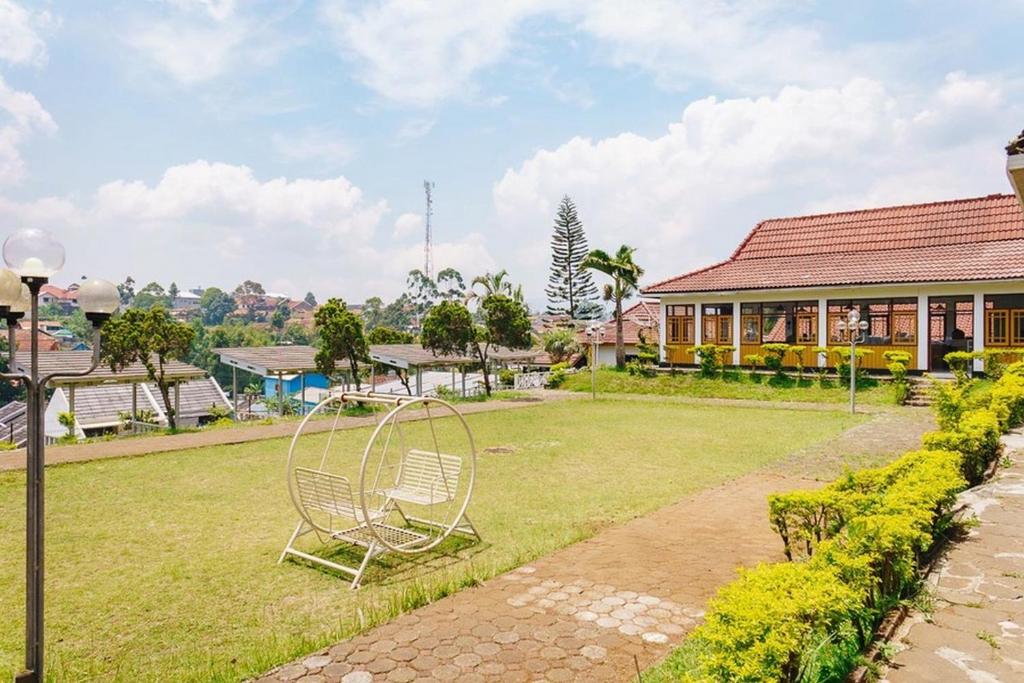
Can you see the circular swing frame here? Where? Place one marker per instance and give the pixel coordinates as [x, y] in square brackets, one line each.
[391, 420]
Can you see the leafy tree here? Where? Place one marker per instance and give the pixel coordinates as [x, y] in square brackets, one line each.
[78, 325]
[151, 337]
[341, 338]
[127, 291]
[150, 296]
[215, 305]
[387, 335]
[249, 295]
[280, 316]
[450, 285]
[310, 299]
[297, 334]
[397, 314]
[570, 284]
[625, 275]
[422, 292]
[172, 292]
[449, 329]
[50, 312]
[560, 344]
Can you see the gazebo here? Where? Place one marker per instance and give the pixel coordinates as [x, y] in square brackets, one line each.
[80, 361]
[269, 361]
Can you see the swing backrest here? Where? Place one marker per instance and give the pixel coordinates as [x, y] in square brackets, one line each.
[434, 475]
[326, 492]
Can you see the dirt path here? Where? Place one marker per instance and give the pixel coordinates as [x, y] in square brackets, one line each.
[976, 631]
[594, 611]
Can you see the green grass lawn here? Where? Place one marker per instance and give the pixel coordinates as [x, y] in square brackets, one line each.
[163, 567]
[735, 384]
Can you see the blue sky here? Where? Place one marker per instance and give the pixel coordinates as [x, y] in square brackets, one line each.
[208, 141]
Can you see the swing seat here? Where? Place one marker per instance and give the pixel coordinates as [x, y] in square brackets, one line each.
[331, 494]
[426, 478]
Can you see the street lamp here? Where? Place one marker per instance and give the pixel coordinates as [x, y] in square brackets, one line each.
[594, 332]
[32, 257]
[854, 328]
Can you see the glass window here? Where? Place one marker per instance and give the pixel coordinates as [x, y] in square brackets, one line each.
[750, 309]
[996, 327]
[890, 321]
[750, 327]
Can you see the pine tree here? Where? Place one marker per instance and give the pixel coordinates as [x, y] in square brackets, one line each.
[570, 287]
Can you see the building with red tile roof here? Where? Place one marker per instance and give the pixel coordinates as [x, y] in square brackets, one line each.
[639, 320]
[928, 278]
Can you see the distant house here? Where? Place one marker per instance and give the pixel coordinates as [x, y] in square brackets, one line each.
[292, 384]
[186, 300]
[47, 341]
[66, 299]
[13, 423]
[639, 320]
[99, 409]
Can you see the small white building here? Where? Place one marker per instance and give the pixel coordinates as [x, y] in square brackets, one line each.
[104, 407]
[185, 300]
[638, 321]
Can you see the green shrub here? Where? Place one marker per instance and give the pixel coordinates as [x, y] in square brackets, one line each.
[843, 362]
[960, 363]
[976, 438]
[506, 377]
[1007, 399]
[709, 359]
[898, 361]
[754, 360]
[860, 540]
[637, 368]
[949, 402]
[763, 626]
[7, 446]
[774, 357]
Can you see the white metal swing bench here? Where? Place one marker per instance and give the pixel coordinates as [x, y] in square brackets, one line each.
[372, 519]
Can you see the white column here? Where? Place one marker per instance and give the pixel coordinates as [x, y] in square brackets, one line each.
[698, 330]
[662, 330]
[922, 332]
[979, 330]
[736, 356]
[822, 331]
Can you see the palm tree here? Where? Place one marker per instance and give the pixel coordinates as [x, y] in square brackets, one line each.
[625, 275]
[494, 283]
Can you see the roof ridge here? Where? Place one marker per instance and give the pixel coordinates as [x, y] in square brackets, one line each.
[963, 200]
[859, 251]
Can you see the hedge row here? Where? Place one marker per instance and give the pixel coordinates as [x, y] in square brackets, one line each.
[854, 550]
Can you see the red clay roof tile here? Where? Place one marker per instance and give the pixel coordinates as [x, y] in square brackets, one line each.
[965, 239]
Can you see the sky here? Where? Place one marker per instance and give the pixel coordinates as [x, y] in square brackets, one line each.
[210, 141]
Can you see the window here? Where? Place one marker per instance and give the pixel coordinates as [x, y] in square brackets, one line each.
[679, 321]
[716, 324]
[786, 322]
[890, 321]
[1004, 320]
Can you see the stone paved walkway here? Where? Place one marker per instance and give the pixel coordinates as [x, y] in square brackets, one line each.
[976, 632]
[595, 611]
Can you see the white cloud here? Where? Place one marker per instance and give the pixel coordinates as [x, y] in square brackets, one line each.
[313, 144]
[685, 198]
[422, 53]
[959, 90]
[414, 129]
[19, 41]
[223, 224]
[202, 40]
[408, 224]
[25, 116]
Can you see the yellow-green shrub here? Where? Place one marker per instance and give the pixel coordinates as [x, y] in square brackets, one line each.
[864, 535]
[763, 626]
[1007, 397]
[976, 438]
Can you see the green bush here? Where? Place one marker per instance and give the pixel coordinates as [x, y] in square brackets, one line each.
[506, 377]
[709, 359]
[843, 362]
[949, 402]
[976, 438]
[898, 361]
[557, 376]
[1007, 399]
[959, 363]
[774, 355]
[859, 540]
[763, 626]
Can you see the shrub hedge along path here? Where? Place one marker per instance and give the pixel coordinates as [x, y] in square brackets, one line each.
[598, 609]
[976, 631]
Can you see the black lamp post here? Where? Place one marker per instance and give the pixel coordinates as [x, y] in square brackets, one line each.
[33, 256]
